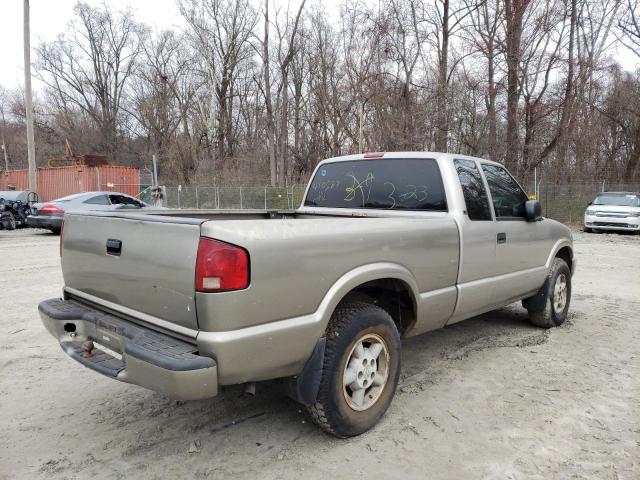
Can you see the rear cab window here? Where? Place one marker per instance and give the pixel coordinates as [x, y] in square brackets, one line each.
[390, 184]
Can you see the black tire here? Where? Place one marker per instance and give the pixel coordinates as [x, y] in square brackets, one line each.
[8, 221]
[587, 230]
[55, 231]
[543, 307]
[349, 325]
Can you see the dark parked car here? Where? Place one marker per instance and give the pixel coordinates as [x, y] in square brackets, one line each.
[50, 214]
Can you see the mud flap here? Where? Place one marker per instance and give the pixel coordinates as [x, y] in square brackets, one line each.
[304, 388]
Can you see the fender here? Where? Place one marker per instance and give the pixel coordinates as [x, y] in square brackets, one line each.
[282, 348]
[304, 387]
[356, 277]
[560, 244]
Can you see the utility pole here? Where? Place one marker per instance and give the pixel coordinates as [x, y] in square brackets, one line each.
[4, 144]
[31, 149]
[360, 121]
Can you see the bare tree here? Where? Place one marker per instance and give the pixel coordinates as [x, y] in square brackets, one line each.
[630, 26]
[286, 49]
[220, 30]
[532, 82]
[486, 34]
[162, 99]
[88, 68]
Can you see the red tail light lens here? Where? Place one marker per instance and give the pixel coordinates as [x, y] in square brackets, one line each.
[221, 266]
[48, 208]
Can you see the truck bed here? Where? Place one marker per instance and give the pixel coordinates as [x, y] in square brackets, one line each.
[296, 255]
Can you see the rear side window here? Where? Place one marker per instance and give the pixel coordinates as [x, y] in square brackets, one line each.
[507, 196]
[98, 200]
[68, 198]
[394, 183]
[124, 200]
[475, 195]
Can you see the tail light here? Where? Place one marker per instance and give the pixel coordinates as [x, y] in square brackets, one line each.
[221, 266]
[61, 232]
[48, 208]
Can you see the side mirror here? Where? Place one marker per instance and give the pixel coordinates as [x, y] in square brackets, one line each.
[533, 210]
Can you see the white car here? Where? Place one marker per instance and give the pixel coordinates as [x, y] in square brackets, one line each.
[613, 211]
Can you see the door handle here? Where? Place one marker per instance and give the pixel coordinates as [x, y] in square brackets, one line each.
[114, 247]
[502, 237]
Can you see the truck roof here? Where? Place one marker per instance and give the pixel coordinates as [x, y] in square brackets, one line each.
[390, 155]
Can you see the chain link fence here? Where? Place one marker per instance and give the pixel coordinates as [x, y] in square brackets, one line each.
[214, 197]
[565, 202]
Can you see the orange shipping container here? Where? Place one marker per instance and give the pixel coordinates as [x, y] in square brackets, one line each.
[60, 181]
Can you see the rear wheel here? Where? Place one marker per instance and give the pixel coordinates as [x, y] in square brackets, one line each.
[360, 371]
[8, 221]
[549, 307]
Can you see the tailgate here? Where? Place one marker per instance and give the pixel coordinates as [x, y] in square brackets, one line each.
[143, 263]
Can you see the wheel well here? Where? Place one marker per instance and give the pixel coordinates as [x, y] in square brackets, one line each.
[390, 294]
[566, 254]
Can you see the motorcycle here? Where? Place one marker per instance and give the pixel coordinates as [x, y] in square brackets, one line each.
[15, 207]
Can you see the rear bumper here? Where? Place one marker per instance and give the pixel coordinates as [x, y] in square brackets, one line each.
[147, 358]
[44, 221]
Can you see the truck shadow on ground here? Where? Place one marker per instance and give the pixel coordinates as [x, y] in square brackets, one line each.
[161, 422]
[129, 424]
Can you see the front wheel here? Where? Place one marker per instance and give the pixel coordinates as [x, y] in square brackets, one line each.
[549, 307]
[360, 371]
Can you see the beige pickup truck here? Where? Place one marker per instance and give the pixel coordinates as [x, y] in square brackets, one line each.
[384, 246]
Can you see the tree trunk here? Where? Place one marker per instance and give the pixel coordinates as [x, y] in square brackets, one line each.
[284, 130]
[442, 125]
[567, 107]
[271, 134]
[514, 12]
[491, 105]
[634, 159]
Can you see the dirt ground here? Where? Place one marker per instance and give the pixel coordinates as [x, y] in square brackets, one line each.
[489, 398]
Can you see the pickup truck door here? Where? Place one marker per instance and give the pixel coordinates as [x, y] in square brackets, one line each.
[477, 243]
[522, 247]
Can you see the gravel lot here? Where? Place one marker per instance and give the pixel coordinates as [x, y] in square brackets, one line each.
[488, 398]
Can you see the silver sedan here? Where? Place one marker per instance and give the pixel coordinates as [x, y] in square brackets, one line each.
[49, 215]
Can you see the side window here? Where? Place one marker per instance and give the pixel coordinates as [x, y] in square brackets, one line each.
[508, 198]
[131, 201]
[99, 200]
[124, 200]
[475, 195]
